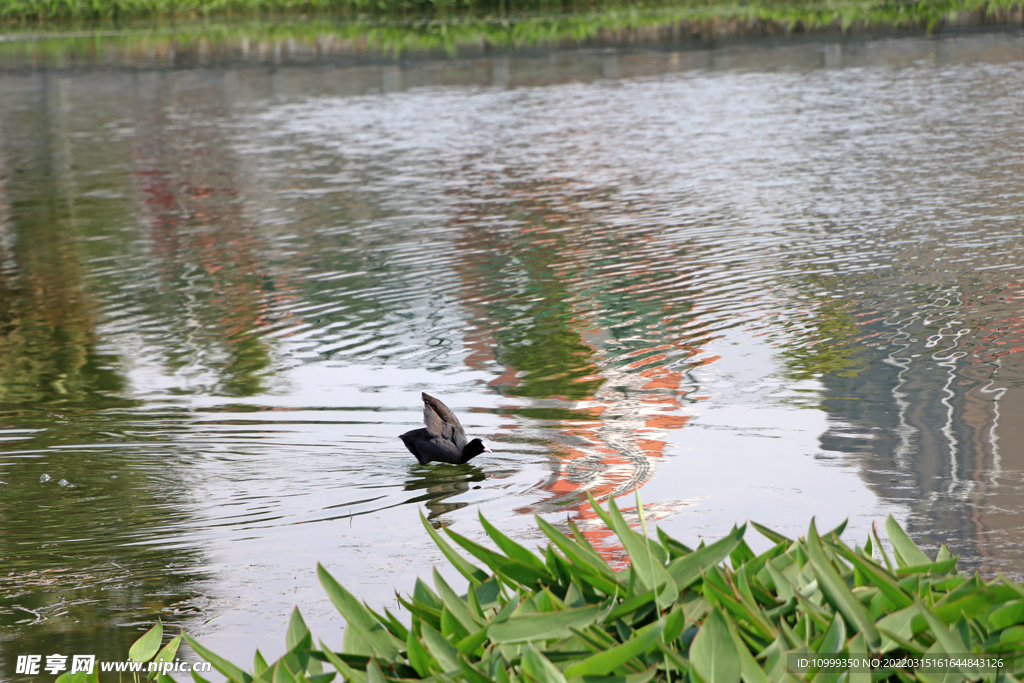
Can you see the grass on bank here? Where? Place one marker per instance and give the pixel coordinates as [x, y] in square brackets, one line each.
[714, 614]
[75, 32]
[787, 12]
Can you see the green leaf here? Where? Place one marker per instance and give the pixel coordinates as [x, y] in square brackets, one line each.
[877, 576]
[511, 548]
[1019, 590]
[750, 670]
[297, 630]
[604, 663]
[422, 593]
[881, 548]
[470, 643]
[673, 657]
[645, 566]
[943, 567]
[1009, 614]
[837, 592]
[472, 673]
[417, 655]
[474, 574]
[685, 570]
[715, 594]
[899, 623]
[713, 653]
[907, 552]
[373, 673]
[783, 587]
[391, 623]
[858, 649]
[539, 667]
[358, 618]
[772, 536]
[259, 664]
[949, 641]
[443, 651]
[143, 649]
[630, 605]
[574, 552]
[169, 650]
[456, 605]
[520, 572]
[835, 637]
[971, 605]
[282, 674]
[350, 674]
[543, 626]
[219, 663]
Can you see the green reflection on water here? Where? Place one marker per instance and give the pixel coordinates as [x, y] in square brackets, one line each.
[83, 507]
[47, 318]
[828, 339]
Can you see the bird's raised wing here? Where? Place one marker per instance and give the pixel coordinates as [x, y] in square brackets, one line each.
[439, 419]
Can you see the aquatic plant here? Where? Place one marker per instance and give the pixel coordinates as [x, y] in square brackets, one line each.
[674, 614]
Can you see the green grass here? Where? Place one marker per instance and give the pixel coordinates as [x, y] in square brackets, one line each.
[45, 31]
[718, 613]
[791, 13]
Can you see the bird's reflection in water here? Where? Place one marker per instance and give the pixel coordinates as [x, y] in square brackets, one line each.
[440, 482]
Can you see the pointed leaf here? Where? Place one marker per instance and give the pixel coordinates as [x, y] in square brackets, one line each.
[296, 630]
[648, 569]
[772, 536]
[472, 673]
[417, 655]
[685, 570]
[259, 664]
[373, 673]
[713, 653]
[510, 547]
[143, 649]
[877, 576]
[358, 618]
[542, 626]
[949, 641]
[445, 654]
[837, 592]
[521, 572]
[943, 567]
[474, 574]
[219, 663]
[603, 663]
[457, 605]
[576, 553]
[169, 650]
[907, 552]
[900, 624]
[539, 667]
[750, 670]
[350, 674]
[1008, 615]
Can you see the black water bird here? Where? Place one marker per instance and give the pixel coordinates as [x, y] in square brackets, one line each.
[443, 440]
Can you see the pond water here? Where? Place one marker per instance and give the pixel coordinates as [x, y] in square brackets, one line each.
[764, 280]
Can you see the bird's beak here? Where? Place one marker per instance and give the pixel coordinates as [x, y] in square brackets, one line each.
[487, 450]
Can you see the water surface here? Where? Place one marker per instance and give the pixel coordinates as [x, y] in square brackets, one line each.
[764, 280]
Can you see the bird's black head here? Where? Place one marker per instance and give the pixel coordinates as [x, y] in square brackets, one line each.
[473, 449]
